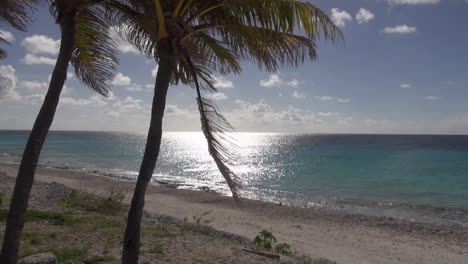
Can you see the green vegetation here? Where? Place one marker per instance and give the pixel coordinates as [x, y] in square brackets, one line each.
[110, 203]
[264, 240]
[54, 218]
[283, 248]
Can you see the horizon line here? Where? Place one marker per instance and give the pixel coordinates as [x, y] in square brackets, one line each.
[246, 132]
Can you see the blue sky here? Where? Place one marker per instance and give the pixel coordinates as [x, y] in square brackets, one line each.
[402, 68]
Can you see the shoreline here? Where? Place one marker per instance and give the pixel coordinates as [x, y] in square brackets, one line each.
[336, 235]
[390, 209]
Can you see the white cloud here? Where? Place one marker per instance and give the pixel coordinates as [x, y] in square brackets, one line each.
[340, 18]
[75, 102]
[154, 71]
[7, 81]
[184, 114]
[405, 86]
[363, 16]
[222, 83]
[297, 95]
[414, 2]
[122, 45]
[431, 98]
[217, 96]
[31, 59]
[324, 98]
[261, 116]
[343, 100]
[34, 86]
[7, 35]
[273, 81]
[294, 83]
[121, 80]
[41, 44]
[401, 29]
[134, 88]
[328, 114]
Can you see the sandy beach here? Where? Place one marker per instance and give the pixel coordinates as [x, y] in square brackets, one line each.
[338, 236]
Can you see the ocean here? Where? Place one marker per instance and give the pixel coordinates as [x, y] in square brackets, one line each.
[406, 176]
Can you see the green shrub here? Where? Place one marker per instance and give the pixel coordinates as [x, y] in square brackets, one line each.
[264, 240]
[283, 248]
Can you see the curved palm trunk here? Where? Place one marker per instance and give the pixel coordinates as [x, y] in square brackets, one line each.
[27, 168]
[131, 241]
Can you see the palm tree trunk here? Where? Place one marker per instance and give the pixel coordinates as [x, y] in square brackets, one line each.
[27, 168]
[131, 242]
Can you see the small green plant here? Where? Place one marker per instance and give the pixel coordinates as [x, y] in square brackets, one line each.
[265, 240]
[283, 248]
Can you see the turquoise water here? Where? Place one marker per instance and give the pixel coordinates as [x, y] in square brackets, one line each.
[306, 170]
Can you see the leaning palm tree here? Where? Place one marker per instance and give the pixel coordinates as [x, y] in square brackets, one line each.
[15, 13]
[86, 44]
[190, 40]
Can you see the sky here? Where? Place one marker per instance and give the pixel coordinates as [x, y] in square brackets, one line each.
[402, 68]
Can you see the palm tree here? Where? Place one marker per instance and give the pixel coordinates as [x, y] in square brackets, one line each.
[86, 44]
[16, 14]
[196, 38]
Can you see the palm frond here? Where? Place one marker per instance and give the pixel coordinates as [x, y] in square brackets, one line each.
[220, 57]
[272, 33]
[3, 53]
[284, 16]
[215, 128]
[220, 145]
[270, 49]
[17, 12]
[94, 57]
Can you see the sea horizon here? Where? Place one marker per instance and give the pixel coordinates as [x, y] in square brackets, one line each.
[246, 132]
